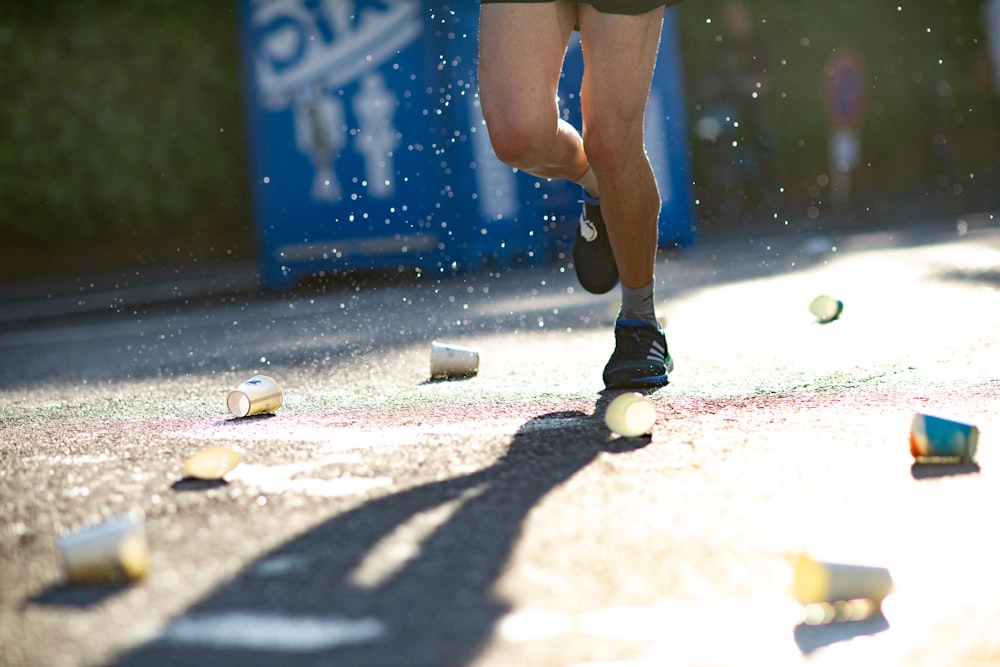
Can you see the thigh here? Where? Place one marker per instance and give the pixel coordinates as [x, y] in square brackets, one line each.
[619, 53]
[521, 50]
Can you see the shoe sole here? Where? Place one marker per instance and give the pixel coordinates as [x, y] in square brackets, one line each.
[647, 382]
[650, 382]
[594, 262]
[596, 277]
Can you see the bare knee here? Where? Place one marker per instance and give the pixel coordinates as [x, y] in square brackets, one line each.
[612, 147]
[519, 138]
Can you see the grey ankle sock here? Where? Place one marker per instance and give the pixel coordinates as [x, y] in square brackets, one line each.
[637, 304]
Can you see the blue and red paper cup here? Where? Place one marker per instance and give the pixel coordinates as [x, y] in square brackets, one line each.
[936, 439]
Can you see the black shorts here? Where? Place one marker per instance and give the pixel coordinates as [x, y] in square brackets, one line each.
[612, 6]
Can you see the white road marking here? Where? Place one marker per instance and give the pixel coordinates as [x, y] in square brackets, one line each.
[293, 634]
[284, 479]
[297, 478]
[280, 565]
[339, 437]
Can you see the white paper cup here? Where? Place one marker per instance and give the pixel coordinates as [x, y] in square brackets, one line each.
[452, 361]
[817, 582]
[112, 551]
[258, 395]
[630, 415]
[826, 308]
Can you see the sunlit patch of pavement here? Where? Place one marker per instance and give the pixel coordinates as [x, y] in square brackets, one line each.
[735, 632]
[723, 632]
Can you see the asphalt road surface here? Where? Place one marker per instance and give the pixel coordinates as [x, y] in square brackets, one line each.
[380, 518]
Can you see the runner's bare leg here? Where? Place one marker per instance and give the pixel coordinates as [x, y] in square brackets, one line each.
[521, 50]
[619, 54]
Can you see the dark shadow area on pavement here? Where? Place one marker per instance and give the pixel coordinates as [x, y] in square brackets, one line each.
[436, 609]
[809, 638]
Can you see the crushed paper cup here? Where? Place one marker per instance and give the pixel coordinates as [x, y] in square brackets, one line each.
[936, 439]
[258, 395]
[452, 361]
[826, 308]
[212, 463]
[630, 415]
[818, 582]
[112, 551]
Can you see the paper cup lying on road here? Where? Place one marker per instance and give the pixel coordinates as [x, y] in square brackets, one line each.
[630, 415]
[826, 308]
[934, 439]
[817, 582]
[112, 551]
[452, 361]
[212, 463]
[258, 395]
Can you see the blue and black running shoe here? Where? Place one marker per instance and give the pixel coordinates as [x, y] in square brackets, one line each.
[640, 359]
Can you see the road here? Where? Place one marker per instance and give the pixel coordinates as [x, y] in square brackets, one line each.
[380, 518]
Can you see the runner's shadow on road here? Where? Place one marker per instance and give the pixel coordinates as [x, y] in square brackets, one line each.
[430, 601]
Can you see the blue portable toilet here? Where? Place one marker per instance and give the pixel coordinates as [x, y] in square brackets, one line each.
[368, 150]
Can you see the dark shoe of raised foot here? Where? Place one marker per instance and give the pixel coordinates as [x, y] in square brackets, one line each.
[641, 359]
[592, 256]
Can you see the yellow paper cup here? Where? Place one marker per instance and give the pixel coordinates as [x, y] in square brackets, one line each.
[111, 551]
[818, 582]
[212, 463]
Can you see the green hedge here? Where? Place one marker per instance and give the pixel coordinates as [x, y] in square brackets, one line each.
[123, 120]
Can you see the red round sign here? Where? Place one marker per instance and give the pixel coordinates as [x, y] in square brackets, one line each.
[846, 90]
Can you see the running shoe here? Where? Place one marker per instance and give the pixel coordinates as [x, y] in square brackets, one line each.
[640, 359]
[592, 256]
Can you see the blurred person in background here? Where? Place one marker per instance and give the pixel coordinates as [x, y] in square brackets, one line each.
[744, 170]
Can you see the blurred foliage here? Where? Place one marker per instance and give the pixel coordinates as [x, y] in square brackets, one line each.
[932, 121]
[123, 120]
